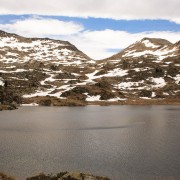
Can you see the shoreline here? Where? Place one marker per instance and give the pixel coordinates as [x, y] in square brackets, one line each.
[53, 101]
[131, 103]
[95, 103]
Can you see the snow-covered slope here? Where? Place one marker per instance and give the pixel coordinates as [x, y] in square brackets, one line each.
[158, 49]
[17, 49]
[40, 69]
[152, 70]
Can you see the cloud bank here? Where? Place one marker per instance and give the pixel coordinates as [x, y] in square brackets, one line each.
[102, 44]
[96, 44]
[118, 9]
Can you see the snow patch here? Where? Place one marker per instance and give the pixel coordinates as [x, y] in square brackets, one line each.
[91, 76]
[117, 99]
[116, 72]
[49, 79]
[161, 53]
[145, 98]
[17, 70]
[177, 79]
[1, 83]
[31, 104]
[160, 82]
[168, 62]
[149, 44]
[153, 94]
[111, 73]
[128, 85]
[141, 69]
[93, 98]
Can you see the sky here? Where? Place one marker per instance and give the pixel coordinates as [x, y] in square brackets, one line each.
[99, 28]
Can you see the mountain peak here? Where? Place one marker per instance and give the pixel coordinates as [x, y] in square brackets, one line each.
[40, 49]
[6, 34]
[152, 47]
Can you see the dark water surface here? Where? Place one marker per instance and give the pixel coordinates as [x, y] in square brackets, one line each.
[116, 141]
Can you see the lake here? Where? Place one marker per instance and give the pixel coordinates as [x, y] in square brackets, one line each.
[130, 142]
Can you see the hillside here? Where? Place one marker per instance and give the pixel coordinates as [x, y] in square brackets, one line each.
[158, 49]
[53, 72]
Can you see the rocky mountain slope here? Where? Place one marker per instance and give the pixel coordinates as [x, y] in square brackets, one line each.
[53, 72]
[158, 49]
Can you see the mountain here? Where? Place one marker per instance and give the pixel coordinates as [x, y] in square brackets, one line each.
[159, 49]
[53, 72]
[152, 69]
[17, 49]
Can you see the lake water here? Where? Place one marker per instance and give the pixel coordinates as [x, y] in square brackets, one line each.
[129, 142]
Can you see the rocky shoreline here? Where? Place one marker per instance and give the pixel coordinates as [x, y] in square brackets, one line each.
[44, 101]
[59, 176]
[8, 107]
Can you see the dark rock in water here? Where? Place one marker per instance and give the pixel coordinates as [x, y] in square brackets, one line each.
[68, 176]
[5, 177]
[7, 107]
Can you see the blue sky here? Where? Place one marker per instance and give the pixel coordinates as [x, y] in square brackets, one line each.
[133, 26]
[99, 28]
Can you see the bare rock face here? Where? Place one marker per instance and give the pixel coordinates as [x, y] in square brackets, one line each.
[37, 68]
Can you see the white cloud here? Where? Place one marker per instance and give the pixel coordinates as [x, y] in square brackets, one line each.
[36, 26]
[96, 44]
[117, 9]
[176, 20]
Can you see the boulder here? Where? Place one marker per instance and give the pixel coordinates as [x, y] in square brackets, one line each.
[45, 102]
[105, 95]
[145, 93]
